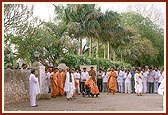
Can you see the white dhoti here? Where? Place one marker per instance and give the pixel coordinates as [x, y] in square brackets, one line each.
[138, 88]
[33, 89]
[71, 90]
[69, 86]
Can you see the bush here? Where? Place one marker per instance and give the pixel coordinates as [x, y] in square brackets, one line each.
[73, 61]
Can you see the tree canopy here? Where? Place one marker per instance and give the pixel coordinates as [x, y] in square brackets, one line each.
[127, 37]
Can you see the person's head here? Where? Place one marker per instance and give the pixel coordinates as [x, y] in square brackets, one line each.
[150, 68]
[137, 70]
[70, 70]
[161, 69]
[156, 68]
[128, 70]
[90, 77]
[108, 69]
[76, 69]
[118, 69]
[33, 71]
[55, 70]
[91, 68]
[133, 68]
[112, 68]
[84, 69]
[50, 70]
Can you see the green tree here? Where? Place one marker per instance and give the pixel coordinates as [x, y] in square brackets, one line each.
[150, 31]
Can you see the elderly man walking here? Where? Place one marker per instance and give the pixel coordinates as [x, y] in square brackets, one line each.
[33, 88]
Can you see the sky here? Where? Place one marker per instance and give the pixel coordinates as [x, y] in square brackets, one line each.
[46, 10]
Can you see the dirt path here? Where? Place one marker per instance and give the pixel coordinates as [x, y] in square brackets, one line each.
[117, 102]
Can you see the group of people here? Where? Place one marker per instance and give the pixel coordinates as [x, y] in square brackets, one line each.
[73, 82]
[70, 82]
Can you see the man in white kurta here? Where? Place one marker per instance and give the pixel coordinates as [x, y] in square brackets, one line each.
[156, 79]
[144, 80]
[138, 82]
[84, 77]
[69, 85]
[47, 78]
[33, 88]
[127, 78]
[161, 92]
[120, 80]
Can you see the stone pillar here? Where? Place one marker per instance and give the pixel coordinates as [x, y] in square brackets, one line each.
[42, 82]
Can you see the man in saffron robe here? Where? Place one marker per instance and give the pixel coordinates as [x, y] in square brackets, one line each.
[60, 82]
[112, 76]
[54, 83]
[93, 87]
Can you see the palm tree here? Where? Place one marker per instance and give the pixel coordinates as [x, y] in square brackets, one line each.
[108, 21]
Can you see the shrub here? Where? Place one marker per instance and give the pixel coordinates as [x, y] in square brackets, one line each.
[73, 61]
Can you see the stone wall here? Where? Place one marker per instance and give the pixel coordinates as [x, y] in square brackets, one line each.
[16, 85]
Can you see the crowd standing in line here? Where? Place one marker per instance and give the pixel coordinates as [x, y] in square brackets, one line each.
[73, 82]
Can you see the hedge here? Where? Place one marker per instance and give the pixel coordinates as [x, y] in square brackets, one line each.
[73, 61]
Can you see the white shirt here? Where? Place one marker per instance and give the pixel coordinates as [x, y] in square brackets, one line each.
[127, 78]
[105, 77]
[120, 77]
[33, 85]
[137, 78]
[47, 77]
[77, 75]
[84, 76]
[151, 76]
[156, 76]
[99, 75]
[161, 77]
[145, 74]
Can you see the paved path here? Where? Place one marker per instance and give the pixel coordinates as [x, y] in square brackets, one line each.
[105, 102]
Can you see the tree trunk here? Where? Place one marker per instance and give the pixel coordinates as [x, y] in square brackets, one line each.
[97, 50]
[121, 57]
[80, 47]
[90, 49]
[108, 55]
[104, 51]
[114, 55]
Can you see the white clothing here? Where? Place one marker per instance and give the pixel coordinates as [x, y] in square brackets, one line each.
[144, 81]
[69, 86]
[120, 75]
[99, 75]
[161, 88]
[77, 75]
[138, 82]
[156, 76]
[127, 78]
[105, 77]
[71, 91]
[33, 89]
[84, 76]
[127, 83]
[161, 92]
[47, 78]
[151, 77]
[161, 77]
